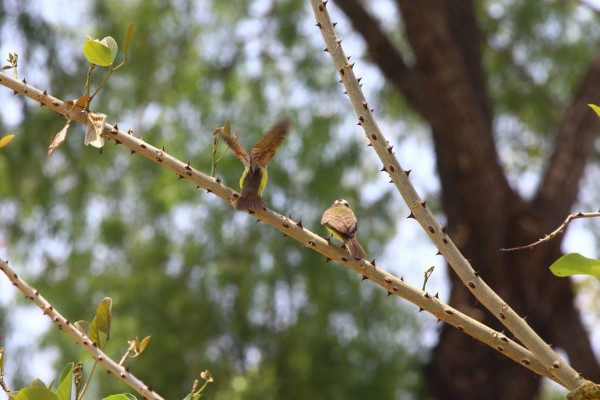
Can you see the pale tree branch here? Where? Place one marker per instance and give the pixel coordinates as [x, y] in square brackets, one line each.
[553, 364]
[63, 324]
[295, 230]
[557, 231]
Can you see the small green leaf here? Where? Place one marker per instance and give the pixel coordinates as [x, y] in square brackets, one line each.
[37, 382]
[104, 315]
[127, 41]
[35, 393]
[144, 343]
[66, 383]
[112, 45]
[120, 396]
[98, 53]
[94, 332]
[575, 264]
[83, 326]
[595, 108]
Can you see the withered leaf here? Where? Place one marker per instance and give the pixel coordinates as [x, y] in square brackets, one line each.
[95, 127]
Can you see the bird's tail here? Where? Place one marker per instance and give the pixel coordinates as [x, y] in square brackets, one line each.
[355, 249]
[249, 203]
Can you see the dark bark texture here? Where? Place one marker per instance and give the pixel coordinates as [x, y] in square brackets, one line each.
[446, 85]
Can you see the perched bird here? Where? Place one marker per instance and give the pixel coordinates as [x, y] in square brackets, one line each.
[341, 222]
[254, 179]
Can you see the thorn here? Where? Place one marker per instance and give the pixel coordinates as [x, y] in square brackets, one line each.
[389, 149]
[437, 295]
[218, 180]
[132, 152]
[407, 172]
[179, 177]
[326, 50]
[24, 81]
[389, 294]
[424, 204]
[327, 259]
[351, 65]
[116, 127]
[382, 169]
[207, 190]
[299, 224]
[319, 25]
[421, 309]
[117, 142]
[438, 321]
[444, 228]
[411, 216]
[359, 79]
[373, 262]
[439, 253]
[364, 277]
[334, 24]
[365, 105]
[45, 93]
[402, 278]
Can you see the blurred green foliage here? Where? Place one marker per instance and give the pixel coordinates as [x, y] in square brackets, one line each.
[215, 290]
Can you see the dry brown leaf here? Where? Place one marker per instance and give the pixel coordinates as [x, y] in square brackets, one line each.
[58, 138]
[95, 127]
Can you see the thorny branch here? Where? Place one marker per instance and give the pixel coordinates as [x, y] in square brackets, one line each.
[557, 231]
[295, 230]
[553, 364]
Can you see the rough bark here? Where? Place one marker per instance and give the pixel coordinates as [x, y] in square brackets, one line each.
[447, 87]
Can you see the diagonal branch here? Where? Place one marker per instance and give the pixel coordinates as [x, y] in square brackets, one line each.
[565, 374]
[574, 143]
[295, 230]
[83, 340]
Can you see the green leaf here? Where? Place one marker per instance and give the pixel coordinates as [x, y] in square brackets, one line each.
[120, 396]
[111, 43]
[104, 315]
[595, 108]
[37, 382]
[36, 393]
[83, 326]
[127, 41]
[98, 53]
[575, 264]
[66, 383]
[94, 332]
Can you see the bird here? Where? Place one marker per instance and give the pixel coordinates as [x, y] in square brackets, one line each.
[341, 222]
[255, 176]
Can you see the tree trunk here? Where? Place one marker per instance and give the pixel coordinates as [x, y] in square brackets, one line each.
[447, 87]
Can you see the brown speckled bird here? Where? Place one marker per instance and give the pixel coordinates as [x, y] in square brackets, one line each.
[341, 222]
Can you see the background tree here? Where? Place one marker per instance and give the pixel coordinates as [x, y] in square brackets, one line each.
[272, 319]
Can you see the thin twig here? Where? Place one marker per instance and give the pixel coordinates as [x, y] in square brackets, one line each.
[77, 335]
[295, 230]
[557, 231]
[566, 375]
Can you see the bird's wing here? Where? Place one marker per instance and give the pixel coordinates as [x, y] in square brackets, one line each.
[234, 144]
[264, 150]
[341, 220]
